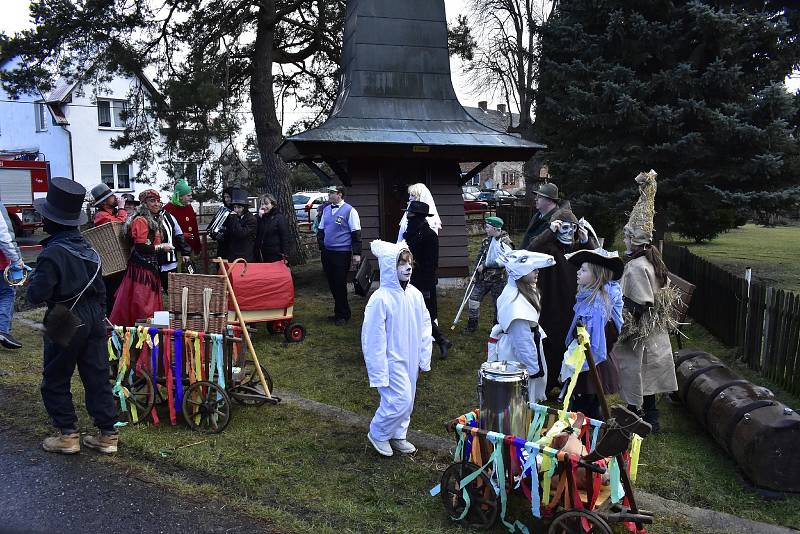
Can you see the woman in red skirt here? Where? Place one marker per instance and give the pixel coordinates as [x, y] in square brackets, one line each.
[139, 295]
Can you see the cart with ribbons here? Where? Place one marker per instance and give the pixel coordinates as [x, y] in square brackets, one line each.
[575, 473]
[194, 374]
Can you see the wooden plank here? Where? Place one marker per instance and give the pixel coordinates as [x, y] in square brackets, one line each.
[793, 351]
[783, 337]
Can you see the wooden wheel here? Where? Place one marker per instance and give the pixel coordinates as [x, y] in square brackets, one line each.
[142, 396]
[483, 507]
[572, 522]
[206, 407]
[295, 333]
[249, 392]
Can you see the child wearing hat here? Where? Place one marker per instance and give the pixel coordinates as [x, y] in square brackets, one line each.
[491, 277]
[598, 307]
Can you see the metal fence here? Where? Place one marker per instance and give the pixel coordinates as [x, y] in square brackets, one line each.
[762, 321]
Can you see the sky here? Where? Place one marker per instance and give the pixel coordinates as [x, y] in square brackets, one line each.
[15, 18]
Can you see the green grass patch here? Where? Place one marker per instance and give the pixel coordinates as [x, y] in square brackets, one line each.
[308, 474]
[772, 253]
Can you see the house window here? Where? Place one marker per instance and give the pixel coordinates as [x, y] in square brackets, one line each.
[109, 113]
[40, 109]
[186, 170]
[116, 175]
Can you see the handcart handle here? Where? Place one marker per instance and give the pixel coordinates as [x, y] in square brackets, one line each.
[558, 454]
[234, 262]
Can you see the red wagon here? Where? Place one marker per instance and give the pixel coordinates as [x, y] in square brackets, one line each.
[265, 293]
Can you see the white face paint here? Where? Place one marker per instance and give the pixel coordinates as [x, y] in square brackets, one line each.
[404, 271]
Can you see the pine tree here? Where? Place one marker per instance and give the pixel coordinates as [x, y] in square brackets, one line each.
[692, 89]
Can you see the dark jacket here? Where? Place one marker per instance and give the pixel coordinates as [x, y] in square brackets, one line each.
[539, 223]
[62, 274]
[272, 237]
[240, 236]
[424, 245]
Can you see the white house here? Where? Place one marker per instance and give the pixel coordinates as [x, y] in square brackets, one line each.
[72, 128]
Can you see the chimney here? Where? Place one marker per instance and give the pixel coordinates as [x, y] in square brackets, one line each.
[501, 108]
[483, 104]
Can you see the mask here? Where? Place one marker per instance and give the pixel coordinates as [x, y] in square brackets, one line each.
[404, 271]
[567, 232]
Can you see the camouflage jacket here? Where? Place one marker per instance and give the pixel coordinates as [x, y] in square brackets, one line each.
[492, 275]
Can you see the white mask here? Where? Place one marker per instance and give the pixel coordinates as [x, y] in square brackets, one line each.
[404, 271]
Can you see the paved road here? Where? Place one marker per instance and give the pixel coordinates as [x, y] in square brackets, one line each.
[43, 492]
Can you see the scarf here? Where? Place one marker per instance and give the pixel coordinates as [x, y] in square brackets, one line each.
[594, 313]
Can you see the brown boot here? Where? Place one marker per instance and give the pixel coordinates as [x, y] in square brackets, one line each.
[107, 444]
[63, 443]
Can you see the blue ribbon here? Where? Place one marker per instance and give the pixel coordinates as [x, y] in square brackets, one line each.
[154, 353]
[178, 370]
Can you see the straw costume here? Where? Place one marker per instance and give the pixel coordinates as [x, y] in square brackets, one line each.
[491, 277]
[644, 352]
[396, 341]
[518, 334]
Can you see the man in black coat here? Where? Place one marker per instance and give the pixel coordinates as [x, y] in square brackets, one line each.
[424, 245]
[240, 228]
[546, 204]
[68, 279]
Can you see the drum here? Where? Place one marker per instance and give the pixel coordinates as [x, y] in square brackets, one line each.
[503, 398]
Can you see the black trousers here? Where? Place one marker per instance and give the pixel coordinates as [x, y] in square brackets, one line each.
[429, 295]
[112, 283]
[87, 351]
[336, 266]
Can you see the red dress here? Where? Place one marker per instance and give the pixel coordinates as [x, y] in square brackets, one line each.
[139, 295]
[187, 220]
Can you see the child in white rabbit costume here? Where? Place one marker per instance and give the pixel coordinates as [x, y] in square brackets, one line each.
[396, 341]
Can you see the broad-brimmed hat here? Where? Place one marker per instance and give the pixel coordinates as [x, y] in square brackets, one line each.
[608, 259]
[419, 208]
[239, 196]
[63, 203]
[548, 190]
[100, 193]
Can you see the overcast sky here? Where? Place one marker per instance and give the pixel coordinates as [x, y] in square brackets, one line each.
[15, 18]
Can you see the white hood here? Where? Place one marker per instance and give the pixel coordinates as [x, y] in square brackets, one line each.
[387, 254]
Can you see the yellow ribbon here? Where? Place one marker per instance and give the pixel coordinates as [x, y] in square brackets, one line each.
[575, 359]
[546, 479]
[636, 447]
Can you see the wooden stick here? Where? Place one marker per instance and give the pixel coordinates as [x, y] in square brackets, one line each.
[242, 323]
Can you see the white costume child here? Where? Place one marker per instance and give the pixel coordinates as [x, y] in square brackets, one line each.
[518, 334]
[396, 341]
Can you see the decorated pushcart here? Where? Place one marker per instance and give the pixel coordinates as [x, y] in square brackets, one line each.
[575, 472]
[265, 293]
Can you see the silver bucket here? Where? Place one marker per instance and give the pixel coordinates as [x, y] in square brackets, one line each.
[503, 398]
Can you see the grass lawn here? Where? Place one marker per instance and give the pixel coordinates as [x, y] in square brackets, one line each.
[307, 474]
[773, 253]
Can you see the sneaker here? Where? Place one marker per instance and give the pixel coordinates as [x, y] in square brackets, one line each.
[107, 444]
[383, 447]
[403, 446]
[8, 341]
[63, 443]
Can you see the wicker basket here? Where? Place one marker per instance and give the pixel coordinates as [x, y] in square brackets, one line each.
[196, 283]
[109, 240]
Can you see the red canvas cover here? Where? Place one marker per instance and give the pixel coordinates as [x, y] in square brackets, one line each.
[264, 286]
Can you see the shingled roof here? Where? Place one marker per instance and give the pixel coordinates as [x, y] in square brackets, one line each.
[396, 97]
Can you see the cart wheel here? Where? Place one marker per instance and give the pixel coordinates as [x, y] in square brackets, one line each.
[206, 407]
[276, 327]
[142, 395]
[243, 392]
[483, 507]
[295, 333]
[571, 522]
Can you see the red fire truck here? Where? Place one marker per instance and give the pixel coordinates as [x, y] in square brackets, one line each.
[22, 180]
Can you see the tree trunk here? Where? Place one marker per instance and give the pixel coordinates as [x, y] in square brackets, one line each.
[268, 129]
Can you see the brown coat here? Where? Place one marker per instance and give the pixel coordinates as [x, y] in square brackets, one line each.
[557, 285]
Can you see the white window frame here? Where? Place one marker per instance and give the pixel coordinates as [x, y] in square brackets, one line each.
[179, 171]
[112, 112]
[115, 171]
[40, 113]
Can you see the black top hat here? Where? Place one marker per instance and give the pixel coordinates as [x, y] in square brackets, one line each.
[598, 256]
[130, 198]
[419, 208]
[239, 196]
[99, 193]
[64, 202]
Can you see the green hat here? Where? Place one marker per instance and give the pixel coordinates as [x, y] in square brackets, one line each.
[182, 188]
[497, 222]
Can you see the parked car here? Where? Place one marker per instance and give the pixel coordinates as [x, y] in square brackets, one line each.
[493, 197]
[470, 189]
[472, 204]
[306, 204]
